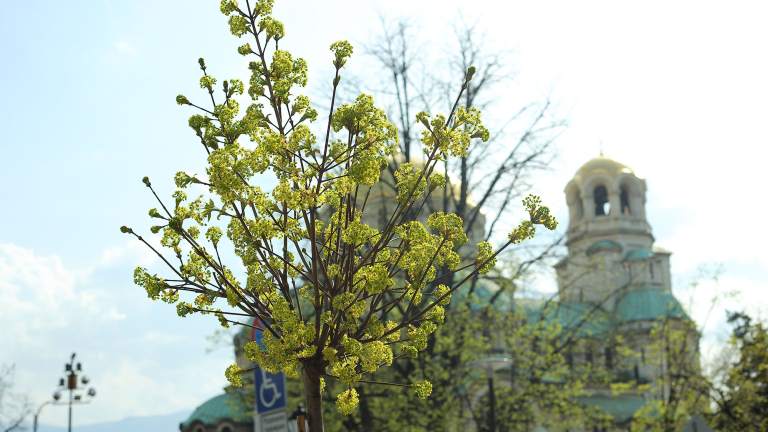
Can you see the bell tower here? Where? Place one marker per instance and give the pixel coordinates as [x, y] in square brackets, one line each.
[614, 278]
[606, 200]
[610, 244]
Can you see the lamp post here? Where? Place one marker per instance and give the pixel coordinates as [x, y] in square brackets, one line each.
[56, 396]
[297, 420]
[490, 365]
[70, 383]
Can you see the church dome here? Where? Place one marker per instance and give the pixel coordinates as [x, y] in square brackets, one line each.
[647, 304]
[484, 291]
[603, 165]
[228, 406]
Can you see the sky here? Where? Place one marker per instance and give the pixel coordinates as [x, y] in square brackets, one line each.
[676, 90]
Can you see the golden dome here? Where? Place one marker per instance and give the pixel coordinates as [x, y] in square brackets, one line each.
[601, 165]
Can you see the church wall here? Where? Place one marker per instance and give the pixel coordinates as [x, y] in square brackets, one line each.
[665, 271]
[590, 278]
[630, 233]
[604, 277]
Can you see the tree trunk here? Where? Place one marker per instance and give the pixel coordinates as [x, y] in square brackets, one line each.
[313, 399]
[366, 416]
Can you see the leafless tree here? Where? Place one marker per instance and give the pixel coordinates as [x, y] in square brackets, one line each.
[496, 174]
[14, 408]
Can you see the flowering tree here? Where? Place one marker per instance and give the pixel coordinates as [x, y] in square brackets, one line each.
[340, 299]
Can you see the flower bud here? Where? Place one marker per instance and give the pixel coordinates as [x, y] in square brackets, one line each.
[175, 224]
[470, 72]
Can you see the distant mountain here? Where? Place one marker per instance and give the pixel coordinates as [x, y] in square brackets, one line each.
[158, 423]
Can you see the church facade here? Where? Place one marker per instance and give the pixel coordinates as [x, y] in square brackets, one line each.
[613, 268]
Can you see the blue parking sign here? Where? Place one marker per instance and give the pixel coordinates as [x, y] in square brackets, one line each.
[270, 391]
[270, 388]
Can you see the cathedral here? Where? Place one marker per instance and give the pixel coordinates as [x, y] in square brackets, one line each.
[613, 263]
[613, 269]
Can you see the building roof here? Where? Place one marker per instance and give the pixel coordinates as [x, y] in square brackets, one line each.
[622, 408]
[603, 245]
[602, 164]
[648, 303]
[696, 424]
[229, 405]
[640, 254]
[484, 290]
[590, 320]
[644, 303]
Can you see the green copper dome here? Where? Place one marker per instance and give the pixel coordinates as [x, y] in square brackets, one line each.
[485, 290]
[621, 408]
[590, 319]
[647, 304]
[229, 405]
[603, 245]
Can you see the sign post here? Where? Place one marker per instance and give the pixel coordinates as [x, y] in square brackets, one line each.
[271, 394]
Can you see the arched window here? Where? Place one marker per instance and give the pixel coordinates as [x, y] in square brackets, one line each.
[608, 358]
[602, 206]
[591, 351]
[226, 429]
[625, 201]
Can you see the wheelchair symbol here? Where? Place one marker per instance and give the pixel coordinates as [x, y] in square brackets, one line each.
[268, 384]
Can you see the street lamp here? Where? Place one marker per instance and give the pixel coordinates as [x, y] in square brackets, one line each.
[490, 365]
[56, 396]
[69, 383]
[297, 421]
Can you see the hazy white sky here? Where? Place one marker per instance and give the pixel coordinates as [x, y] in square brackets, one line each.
[676, 90]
